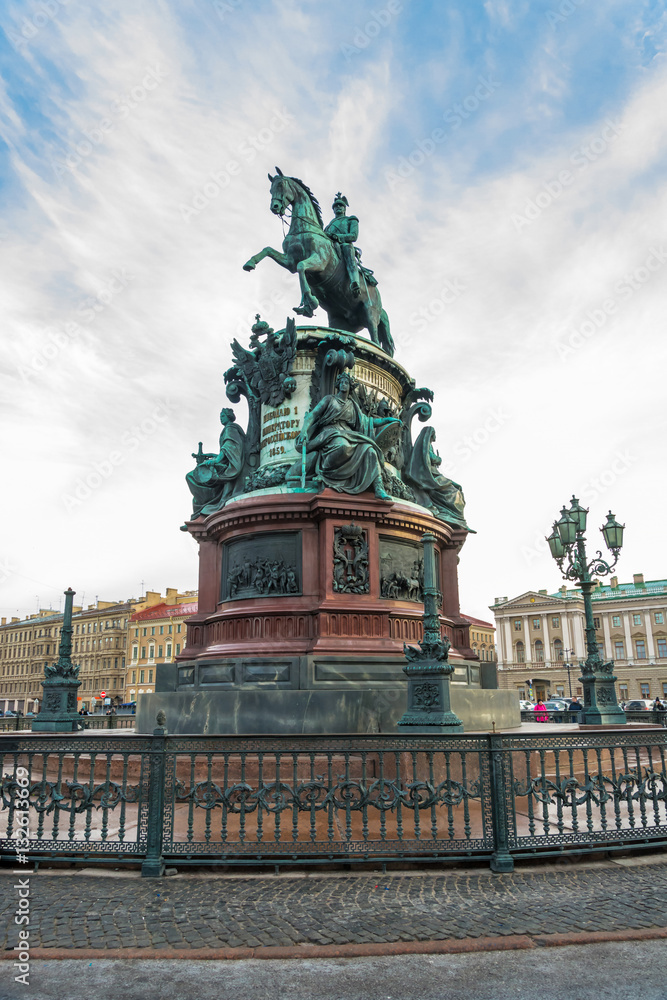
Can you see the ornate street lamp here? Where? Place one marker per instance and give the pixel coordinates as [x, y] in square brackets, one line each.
[61, 684]
[428, 668]
[567, 543]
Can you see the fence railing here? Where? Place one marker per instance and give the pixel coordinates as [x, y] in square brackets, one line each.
[18, 723]
[283, 800]
[648, 718]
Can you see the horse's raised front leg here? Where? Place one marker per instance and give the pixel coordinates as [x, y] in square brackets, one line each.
[309, 302]
[280, 258]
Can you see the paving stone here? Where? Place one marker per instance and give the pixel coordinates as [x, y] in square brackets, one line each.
[75, 911]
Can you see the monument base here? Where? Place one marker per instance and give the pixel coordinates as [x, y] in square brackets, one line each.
[282, 712]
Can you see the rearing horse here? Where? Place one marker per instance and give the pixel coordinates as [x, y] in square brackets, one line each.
[313, 255]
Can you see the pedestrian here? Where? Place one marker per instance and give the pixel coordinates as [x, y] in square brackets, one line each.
[575, 705]
[540, 711]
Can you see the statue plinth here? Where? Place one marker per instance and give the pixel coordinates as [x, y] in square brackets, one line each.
[58, 713]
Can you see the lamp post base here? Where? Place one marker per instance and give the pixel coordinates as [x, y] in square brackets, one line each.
[601, 707]
[429, 709]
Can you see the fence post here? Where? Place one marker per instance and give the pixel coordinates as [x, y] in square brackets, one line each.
[501, 859]
[153, 864]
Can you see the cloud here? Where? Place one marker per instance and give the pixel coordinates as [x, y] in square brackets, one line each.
[138, 154]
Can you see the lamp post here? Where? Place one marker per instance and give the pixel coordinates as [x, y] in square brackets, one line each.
[61, 683]
[567, 544]
[567, 653]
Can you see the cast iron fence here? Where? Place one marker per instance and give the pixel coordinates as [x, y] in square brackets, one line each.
[279, 800]
[17, 723]
[565, 716]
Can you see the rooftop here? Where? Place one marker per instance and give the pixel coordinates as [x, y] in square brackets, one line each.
[479, 622]
[165, 611]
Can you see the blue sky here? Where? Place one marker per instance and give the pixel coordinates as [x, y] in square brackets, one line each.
[507, 163]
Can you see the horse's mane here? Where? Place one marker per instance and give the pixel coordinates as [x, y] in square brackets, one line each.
[315, 202]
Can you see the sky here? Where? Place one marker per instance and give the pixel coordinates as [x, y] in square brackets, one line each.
[507, 163]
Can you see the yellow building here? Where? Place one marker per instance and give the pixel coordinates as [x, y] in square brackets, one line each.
[482, 638]
[156, 635]
[99, 649]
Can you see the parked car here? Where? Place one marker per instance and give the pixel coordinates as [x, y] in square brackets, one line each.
[525, 706]
[9, 715]
[639, 705]
[556, 706]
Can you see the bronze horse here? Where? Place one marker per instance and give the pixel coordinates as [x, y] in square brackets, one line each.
[313, 255]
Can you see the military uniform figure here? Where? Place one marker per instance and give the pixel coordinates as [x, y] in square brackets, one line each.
[344, 230]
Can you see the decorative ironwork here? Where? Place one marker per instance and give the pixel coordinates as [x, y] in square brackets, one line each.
[567, 543]
[350, 560]
[252, 800]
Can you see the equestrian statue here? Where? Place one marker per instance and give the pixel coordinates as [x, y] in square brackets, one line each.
[327, 262]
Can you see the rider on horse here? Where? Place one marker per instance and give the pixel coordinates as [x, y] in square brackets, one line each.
[344, 231]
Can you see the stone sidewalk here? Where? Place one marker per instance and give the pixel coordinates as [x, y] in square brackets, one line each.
[77, 914]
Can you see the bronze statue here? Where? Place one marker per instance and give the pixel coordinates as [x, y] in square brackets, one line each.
[433, 490]
[327, 273]
[343, 444]
[217, 477]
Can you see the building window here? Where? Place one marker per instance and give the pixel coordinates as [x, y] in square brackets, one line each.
[623, 692]
[619, 651]
[596, 623]
[161, 629]
[170, 629]
[636, 619]
[536, 624]
[134, 677]
[558, 649]
[640, 647]
[616, 621]
[539, 651]
[153, 630]
[659, 618]
[144, 631]
[143, 652]
[555, 621]
[141, 676]
[645, 689]
[178, 648]
[135, 652]
[664, 689]
[151, 652]
[136, 633]
[168, 649]
[178, 628]
[662, 647]
[159, 652]
[520, 653]
[150, 676]
[560, 690]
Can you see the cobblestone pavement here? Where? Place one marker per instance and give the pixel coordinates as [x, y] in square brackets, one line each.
[70, 911]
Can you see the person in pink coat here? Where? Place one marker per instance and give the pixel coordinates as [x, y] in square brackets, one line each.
[540, 710]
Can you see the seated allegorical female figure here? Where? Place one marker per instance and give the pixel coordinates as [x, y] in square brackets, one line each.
[342, 443]
[216, 478]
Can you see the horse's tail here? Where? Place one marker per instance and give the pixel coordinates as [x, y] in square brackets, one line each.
[384, 333]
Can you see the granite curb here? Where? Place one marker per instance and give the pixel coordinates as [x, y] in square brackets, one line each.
[447, 946]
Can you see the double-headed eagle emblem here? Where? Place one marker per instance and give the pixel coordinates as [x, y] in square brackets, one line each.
[266, 366]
